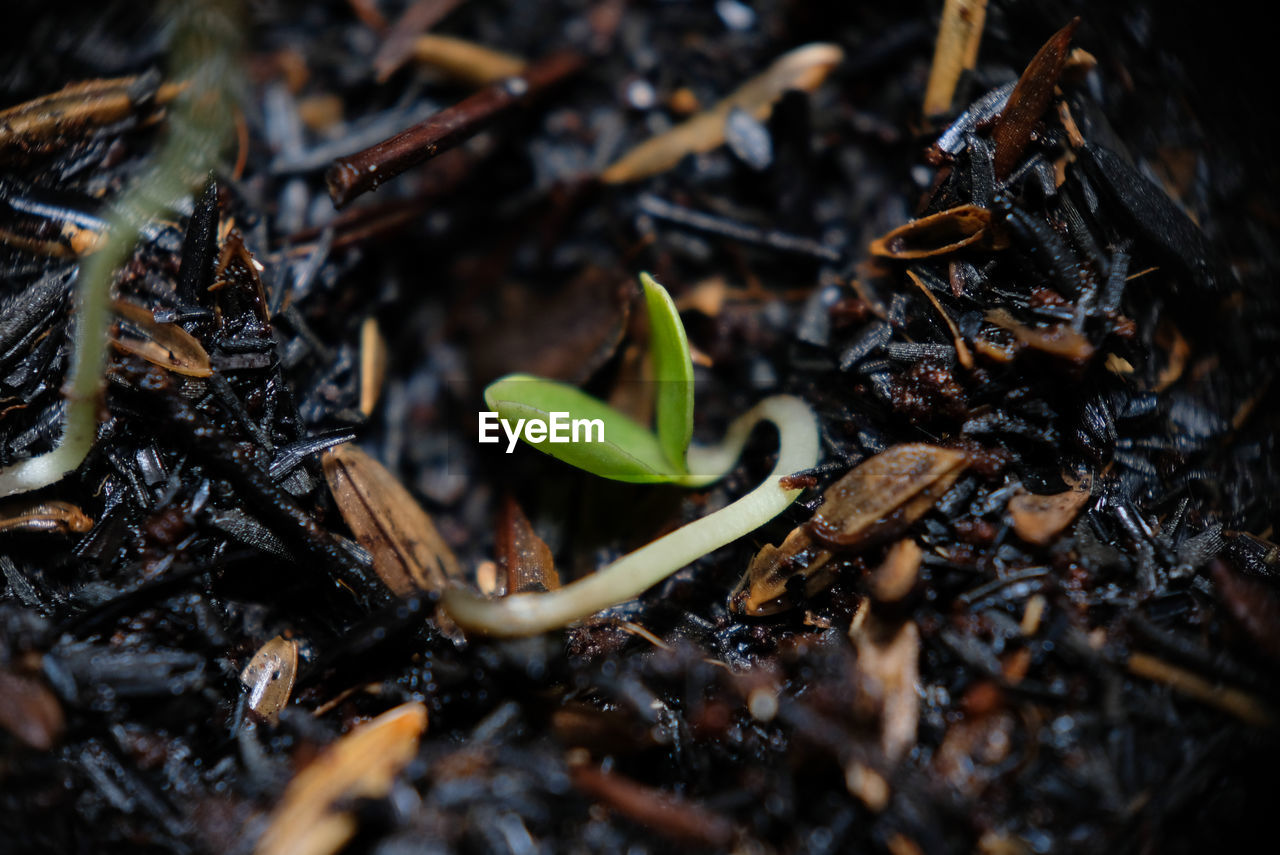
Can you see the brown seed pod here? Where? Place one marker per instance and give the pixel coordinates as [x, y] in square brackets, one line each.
[880, 497]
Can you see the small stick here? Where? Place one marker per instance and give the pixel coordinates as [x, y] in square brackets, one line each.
[363, 171]
[656, 206]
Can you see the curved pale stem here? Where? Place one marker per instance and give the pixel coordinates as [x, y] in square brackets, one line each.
[206, 43]
[631, 575]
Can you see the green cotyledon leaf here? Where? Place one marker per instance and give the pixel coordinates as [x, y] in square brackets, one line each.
[609, 444]
[672, 373]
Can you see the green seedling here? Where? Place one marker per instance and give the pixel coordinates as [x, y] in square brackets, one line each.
[631, 452]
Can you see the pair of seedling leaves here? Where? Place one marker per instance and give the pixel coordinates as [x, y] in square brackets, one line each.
[630, 452]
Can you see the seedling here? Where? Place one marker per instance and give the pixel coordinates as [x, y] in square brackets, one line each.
[631, 452]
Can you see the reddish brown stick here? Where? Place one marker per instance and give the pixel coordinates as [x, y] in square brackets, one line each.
[363, 171]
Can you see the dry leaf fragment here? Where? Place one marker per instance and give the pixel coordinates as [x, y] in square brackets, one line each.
[889, 664]
[409, 555]
[55, 118]
[1056, 340]
[167, 345]
[466, 61]
[1027, 102]
[883, 495]
[567, 336]
[763, 589]
[896, 575]
[398, 45]
[525, 557]
[269, 677]
[362, 764]
[959, 34]
[373, 364]
[962, 350]
[49, 516]
[803, 68]
[1040, 519]
[936, 234]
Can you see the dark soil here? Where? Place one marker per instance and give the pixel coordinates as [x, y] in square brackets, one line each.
[1108, 688]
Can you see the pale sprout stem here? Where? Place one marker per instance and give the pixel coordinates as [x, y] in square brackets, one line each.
[631, 575]
[206, 42]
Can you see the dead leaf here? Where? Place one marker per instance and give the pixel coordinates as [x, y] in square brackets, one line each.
[409, 555]
[1028, 100]
[963, 355]
[1040, 519]
[765, 588]
[55, 118]
[466, 61]
[885, 494]
[166, 345]
[269, 677]
[937, 234]
[803, 68]
[373, 364]
[897, 574]
[1056, 340]
[566, 336]
[889, 668]
[956, 50]
[311, 818]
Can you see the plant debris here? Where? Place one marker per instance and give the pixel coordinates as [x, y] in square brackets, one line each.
[1027, 602]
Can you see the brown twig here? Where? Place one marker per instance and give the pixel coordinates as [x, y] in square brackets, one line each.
[365, 170]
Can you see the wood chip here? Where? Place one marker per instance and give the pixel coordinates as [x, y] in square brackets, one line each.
[882, 496]
[524, 557]
[166, 345]
[937, 234]
[269, 677]
[53, 516]
[409, 555]
[29, 711]
[1027, 102]
[897, 574]
[1040, 519]
[313, 816]
[466, 61]
[803, 68]
[956, 50]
